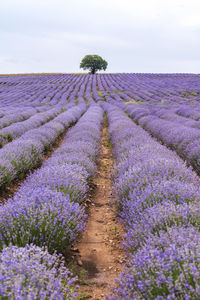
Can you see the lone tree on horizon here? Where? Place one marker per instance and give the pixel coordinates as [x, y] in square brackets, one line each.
[93, 63]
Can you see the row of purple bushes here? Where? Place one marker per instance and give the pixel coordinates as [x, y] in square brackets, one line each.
[158, 200]
[26, 152]
[179, 136]
[47, 212]
[16, 129]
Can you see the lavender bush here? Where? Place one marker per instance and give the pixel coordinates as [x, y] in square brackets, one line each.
[181, 136]
[15, 130]
[17, 116]
[40, 216]
[32, 273]
[44, 210]
[166, 267]
[71, 180]
[158, 202]
[71, 175]
[26, 152]
[158, 218]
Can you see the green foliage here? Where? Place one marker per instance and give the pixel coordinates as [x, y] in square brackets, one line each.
[100, 93]
[93, 63]
[185, 95]
[133, 101]
[116, 92]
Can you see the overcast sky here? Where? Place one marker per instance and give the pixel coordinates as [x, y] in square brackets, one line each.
[133, 36]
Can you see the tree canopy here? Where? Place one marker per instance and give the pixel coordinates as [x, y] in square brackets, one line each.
[93, 63]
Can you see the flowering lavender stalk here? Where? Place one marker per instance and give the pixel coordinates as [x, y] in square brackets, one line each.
[32, 273]
[40, 216]
[66, 171]
[71, 180]
[17, 129]
[166, 267]
[17, 116]
[183, 137]
[158, 218]
[26, 152]
[44, 210]
[158, 202]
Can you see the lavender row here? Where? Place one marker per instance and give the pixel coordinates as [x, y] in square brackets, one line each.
[189, 112]
[170, 114]
[30, 272]
[17, 129]
[167, 113]
[45, 212]
[26, 152]
[183, 139]
[17, 116]
[72, 165]
[151, 89]
[44, 89]
[158, 200]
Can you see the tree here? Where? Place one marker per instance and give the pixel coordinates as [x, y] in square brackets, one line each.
[93, 63]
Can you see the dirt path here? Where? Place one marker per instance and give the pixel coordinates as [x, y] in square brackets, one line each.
[99, 251]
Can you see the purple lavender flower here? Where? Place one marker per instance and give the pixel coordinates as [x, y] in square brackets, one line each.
[157, 198]
[32, 273]
[166, 267]
[26, 152]
[40, 216]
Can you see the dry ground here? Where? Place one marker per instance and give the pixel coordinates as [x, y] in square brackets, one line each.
[98, 253]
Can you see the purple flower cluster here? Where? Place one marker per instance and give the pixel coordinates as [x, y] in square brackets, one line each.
[190, 112]
[42, 217]
[25, 153]
[44, 210]
[81, 146]
[15, 130]
[158, 202]
[180, 135]
[17, 116]
[32, 273]
[157, 194]
[151, 89]
[166, 267]
[74, 162]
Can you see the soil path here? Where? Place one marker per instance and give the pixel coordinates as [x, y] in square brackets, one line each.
[100, 254]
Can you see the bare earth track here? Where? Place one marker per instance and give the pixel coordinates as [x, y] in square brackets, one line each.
[99, 250]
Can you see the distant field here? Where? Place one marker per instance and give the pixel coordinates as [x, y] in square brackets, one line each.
[70, 140]
[145, 88]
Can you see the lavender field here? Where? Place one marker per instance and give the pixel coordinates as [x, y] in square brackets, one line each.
[51, 129]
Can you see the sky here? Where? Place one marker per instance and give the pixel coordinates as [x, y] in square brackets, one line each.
[143, 36]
